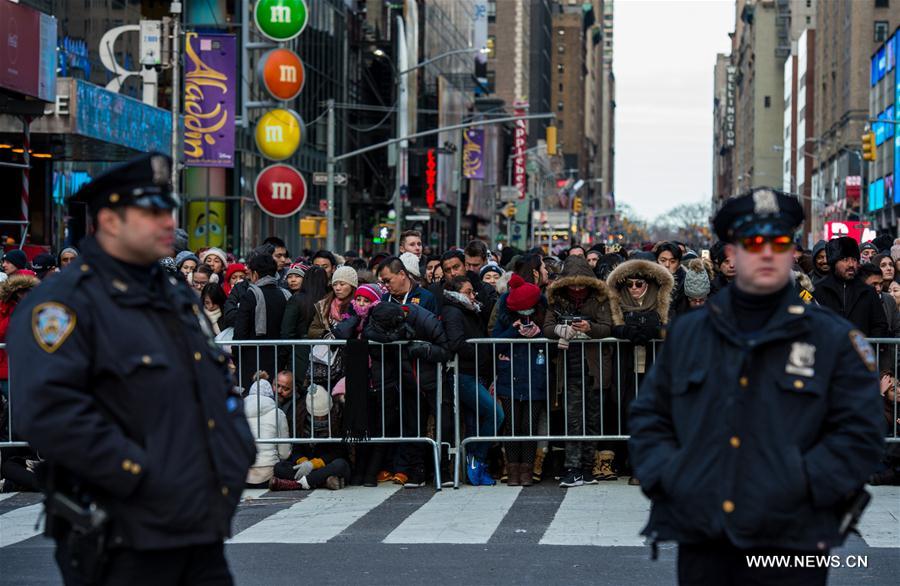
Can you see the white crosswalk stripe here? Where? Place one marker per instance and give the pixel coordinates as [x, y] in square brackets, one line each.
[608, 515]
[880, 523]
[318, 517]
[19, 524]
[604, 515]
[457, 516]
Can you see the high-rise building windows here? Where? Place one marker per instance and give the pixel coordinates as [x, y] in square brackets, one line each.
[881, 30]
[882, 4]
[559, 106]
[767, 101]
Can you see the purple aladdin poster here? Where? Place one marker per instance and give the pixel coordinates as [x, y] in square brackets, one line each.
[473, 153]
[209, 100]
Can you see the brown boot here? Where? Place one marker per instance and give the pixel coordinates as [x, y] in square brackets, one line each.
[282, 484]
[603, 469]
[525, 471]
[514, 474]
[537, 471]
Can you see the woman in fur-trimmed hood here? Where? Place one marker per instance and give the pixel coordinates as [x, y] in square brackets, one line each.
[579, 309]
[640, 293]
[12, 291]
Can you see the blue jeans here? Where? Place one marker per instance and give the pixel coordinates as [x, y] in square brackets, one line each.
[472, 393]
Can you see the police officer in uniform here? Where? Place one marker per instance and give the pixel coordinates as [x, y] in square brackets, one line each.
[761, 419]
[121, 388]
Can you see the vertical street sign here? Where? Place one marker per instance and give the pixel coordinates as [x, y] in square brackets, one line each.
[520, 145]
[280, 191]
[282, 74]
[281, 20]
[278, 134]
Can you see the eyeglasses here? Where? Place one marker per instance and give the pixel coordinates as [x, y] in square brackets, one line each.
[636, 283]
[756, 243]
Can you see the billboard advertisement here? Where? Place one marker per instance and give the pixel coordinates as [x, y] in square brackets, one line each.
[859, 231]
[210, 85]
[28, 52]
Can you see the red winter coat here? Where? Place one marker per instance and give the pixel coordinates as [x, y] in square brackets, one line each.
[10, 291]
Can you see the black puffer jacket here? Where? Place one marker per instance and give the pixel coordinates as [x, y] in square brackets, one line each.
[391, 322]
[461, 323]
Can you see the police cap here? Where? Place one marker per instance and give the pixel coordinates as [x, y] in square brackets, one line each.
[144, 182]
[761, 212]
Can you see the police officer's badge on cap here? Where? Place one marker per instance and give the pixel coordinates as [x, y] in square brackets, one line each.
[761, 212]
[143, 182]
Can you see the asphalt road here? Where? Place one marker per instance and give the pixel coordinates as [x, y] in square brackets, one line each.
[499, 535]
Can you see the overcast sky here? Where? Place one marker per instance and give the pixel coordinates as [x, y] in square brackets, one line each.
[664, 55]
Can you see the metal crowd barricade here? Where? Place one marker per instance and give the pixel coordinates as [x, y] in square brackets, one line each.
[554, 366]
[395, 428]
[616, 391]
[887, 355]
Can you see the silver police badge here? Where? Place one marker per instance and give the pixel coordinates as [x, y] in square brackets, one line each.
[765, 203]
[801, 360]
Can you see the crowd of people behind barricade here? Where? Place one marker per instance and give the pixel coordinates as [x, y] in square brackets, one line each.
[364, 385]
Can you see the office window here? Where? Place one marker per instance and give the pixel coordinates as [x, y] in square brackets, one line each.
[767, 102]
[882, 4]
[559, 106]
[561, 49]
[560, 87]
[560, 68]
[808, 20]
[809, 3]
[491, 44]
[881, 30]
[561, 32]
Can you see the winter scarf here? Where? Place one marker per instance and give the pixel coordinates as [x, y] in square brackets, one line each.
[260, 315]
[335, 310]
[463, 300]
[578, 296]
[214, 317]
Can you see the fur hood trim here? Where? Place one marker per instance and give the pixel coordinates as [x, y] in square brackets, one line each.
[649, 270]
[601, 291]
[15, 284]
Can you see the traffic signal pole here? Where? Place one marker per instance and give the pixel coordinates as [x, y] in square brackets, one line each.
[332, 159]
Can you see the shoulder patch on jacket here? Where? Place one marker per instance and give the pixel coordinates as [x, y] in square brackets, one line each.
[863, 348]
[51, 324]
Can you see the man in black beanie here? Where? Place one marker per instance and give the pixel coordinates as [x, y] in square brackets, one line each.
[845, 294]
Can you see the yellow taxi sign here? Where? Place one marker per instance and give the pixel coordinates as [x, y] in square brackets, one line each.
[278, 134]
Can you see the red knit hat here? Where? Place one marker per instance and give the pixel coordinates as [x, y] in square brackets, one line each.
[370, 292]
[522, 295]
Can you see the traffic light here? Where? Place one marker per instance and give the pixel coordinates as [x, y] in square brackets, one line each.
[551, 140]
[868, 147]
[510, 211]
[577, 205]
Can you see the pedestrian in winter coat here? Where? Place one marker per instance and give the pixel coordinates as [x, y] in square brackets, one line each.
[461, 316]
[871, 275]
[760, 418]
[259, 317]
[640, 292]
[416, 364]
[12, 291]
[845, 294]
[580, 310]
[266, 422]
[521, 373]
[820, 260]
[696, 283]
[723, 264]
[315, 465]
[216, 259]
[668, 254]
[335, 306]
[298, 315]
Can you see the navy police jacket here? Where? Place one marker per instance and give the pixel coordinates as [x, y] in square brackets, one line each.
[123, 386]
[756, 439]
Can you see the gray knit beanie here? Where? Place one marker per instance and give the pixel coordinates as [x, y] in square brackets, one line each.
[347, 275]
[696, 284]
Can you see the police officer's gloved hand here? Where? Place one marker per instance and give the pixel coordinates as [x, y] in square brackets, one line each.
[420, 350]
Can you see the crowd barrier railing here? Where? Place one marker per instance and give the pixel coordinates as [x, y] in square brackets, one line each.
[536, 392]
[399, 393]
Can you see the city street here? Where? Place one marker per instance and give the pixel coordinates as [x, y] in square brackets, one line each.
[484, 535]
